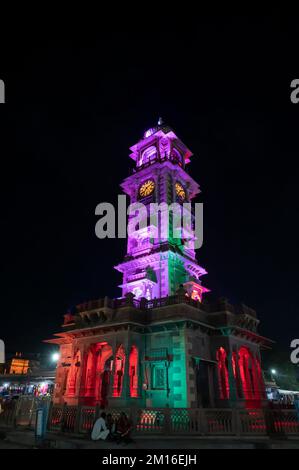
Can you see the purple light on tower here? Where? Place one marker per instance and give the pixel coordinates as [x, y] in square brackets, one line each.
[155, 267]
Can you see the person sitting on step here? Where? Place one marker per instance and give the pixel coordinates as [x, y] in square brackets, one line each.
[100, 430]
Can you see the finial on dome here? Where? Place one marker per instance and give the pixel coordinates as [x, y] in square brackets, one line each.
[160, 121]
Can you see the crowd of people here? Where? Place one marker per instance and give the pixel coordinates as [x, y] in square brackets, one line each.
[106, 428]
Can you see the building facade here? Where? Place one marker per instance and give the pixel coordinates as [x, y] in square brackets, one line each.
[28, 374]
[161, 344]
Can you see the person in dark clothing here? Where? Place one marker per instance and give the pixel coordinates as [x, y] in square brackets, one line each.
[123, 429]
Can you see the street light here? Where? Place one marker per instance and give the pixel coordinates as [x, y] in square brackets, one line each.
[273, 371]
[55, 357]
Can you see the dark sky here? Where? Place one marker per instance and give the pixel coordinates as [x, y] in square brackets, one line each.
[75, 103]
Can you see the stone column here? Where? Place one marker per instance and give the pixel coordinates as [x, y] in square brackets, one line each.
[211, 386]
[240, 393]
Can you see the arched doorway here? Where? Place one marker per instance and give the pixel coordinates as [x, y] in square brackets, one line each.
[98, 366]
[249, 373]
[89, 376]
[72, 376]
[133, 372]
[222, 370]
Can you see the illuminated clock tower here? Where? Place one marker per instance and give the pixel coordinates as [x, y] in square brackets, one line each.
[157, 262]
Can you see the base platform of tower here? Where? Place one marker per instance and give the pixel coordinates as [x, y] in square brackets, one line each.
[161, 344]
[170, 352]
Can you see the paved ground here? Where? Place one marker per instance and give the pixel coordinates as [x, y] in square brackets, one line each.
[24, 439]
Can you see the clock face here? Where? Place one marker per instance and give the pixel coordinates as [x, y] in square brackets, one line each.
[180, 191]
[147, 188]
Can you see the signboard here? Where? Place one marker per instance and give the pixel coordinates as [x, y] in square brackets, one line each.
[39, 425]
[2, 92]
[41, 419]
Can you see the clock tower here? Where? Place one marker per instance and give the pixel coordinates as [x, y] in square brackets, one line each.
[158, 262]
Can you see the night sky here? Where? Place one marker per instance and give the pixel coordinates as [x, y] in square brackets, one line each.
[75, 103]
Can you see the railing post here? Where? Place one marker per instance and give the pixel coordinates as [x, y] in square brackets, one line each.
[239, 422]
[202, 421]
[78, 419]
[97, 412]
[269, 417]
[33, 407]
[167, 421]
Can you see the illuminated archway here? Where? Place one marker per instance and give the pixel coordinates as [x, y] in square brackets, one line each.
[96, 373]
[119, 367]
[223, 381]
[177, 156]
[133, 372]
[148, 155]
[260, 377]
[103, 373]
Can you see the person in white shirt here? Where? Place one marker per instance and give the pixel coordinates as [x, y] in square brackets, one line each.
[100, 430]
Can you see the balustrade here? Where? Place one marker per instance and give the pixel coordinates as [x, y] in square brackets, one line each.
[180, 421]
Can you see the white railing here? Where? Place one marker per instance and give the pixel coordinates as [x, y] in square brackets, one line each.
[180, 421]
[22, 412]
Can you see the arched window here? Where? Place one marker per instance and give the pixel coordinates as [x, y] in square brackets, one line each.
[175, 154]
[244, 373]
[222, 374]
[119, 367]
[96, 373]
[133, 372]
[103, 372]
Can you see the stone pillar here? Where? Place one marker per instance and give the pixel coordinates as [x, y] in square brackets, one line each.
[90, 377]
[248, 378]
[256, 383]
[196, 362]
[125, 393]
